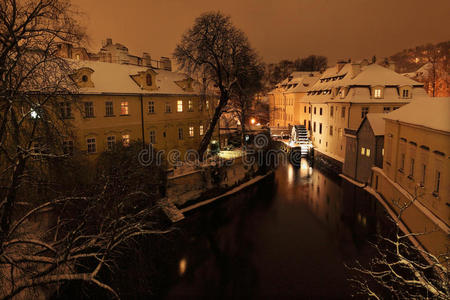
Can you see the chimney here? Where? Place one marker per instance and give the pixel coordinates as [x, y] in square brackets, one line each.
[108, 42]
[356, 69]
[165, 63]
[147, 60]
[340, 64]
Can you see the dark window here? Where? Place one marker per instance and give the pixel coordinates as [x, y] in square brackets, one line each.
[89, 109]
[364, 111]
[65, 110]
[151, 107]
[321, 111]
[109, 109]
[149, 79]
[320, 128]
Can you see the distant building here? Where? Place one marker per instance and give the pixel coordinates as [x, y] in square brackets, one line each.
[285, 100]
[113, 53]
[417, 166]
[345, 94]
[364, 148]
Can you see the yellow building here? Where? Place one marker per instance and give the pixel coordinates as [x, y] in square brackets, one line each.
[119, 103]
[285, 101]
[416, 166]
[343, 96]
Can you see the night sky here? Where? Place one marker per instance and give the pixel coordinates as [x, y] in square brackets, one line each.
[277, 29]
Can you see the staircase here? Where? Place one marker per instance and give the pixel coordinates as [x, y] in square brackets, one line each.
[300, 135]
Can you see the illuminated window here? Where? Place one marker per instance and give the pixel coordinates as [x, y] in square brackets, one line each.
[363, 151]
[377, 93]
[207, 105]
[201, 129]
[126, 140]
[382, 152]
[91, 145]
[368, 152]
[191, 131]
[190, 105]
[124, 108]
[110, 142]
[179, 105]
[152, 137]
[151, 107]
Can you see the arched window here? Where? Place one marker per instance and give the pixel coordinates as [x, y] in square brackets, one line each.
[149, 79]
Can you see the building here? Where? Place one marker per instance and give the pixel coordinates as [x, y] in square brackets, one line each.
[345, 94]
[364, 148]
[121, 102]
[285, 100]
[416, 166]
[113, 53]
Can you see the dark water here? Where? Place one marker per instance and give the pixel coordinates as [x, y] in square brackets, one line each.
[286, 237]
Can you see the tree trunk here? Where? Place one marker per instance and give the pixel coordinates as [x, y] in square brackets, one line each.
[207, 137]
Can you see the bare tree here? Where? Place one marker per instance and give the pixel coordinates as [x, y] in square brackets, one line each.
[401, 269]
[243, 94]
[214, 47]
[59, 221]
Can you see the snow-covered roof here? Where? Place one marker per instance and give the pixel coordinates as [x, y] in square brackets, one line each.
[114, 78]
[376, 121]
[296, 82]
[426, 111]
[359, 77]
[373, 75]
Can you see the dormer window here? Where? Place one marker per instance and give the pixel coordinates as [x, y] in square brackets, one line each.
[377, 93]
[84, 78]
[149, 80]
[405, 94]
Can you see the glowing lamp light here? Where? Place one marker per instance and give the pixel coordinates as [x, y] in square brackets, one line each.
[182, 266]
[252, 121]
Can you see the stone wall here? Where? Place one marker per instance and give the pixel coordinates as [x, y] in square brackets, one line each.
[190, 186]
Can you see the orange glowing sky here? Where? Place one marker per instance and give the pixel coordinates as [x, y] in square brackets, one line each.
[277, 29]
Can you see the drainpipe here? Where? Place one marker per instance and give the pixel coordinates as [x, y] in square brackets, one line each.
[142, 122]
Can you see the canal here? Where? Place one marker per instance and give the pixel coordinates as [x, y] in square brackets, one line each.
[288, 236]
[285, 237]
